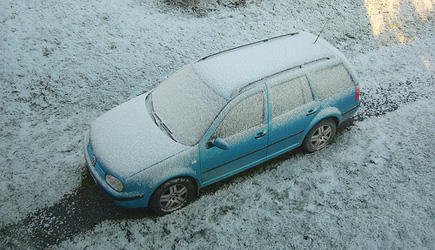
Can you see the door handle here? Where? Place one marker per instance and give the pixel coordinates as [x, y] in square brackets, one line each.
[311, 111]
[260, 134]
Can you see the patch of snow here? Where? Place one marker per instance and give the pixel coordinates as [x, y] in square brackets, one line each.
[126, 140]
[289, 95]
[65, 63]
[360, 192]
[246, 114]
[179, 100]
[331, 81]
[227, 72]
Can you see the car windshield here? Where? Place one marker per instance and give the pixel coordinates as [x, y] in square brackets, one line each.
[184, 107]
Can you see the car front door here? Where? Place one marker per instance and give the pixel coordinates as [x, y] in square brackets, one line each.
[239, 140]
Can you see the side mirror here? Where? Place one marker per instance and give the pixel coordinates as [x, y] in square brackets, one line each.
[220, 143]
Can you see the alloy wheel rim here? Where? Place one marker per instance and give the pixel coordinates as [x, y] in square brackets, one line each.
[321, 137]
[173, 198]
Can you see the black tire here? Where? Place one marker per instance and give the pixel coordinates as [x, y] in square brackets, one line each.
[172, 195]
[319, 136]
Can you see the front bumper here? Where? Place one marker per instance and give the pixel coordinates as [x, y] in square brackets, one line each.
[123, 199]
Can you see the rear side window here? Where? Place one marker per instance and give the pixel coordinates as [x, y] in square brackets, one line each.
[246, 114]
[290, 95]
[330, 81]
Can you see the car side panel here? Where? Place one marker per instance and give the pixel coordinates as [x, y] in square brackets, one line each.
[185, 164]
[246, 148]
[285, 132]
[243, 152]
[343, 101]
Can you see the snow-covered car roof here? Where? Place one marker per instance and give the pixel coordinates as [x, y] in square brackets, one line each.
[228, 71]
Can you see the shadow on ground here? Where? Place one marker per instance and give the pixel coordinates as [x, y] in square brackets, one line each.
[74, 214]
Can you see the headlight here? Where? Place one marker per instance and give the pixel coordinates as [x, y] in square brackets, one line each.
[114, 183]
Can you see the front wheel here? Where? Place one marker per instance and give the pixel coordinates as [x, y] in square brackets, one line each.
[319, 136]
[172, 195]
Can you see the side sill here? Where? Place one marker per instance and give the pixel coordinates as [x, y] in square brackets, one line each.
[350, 110]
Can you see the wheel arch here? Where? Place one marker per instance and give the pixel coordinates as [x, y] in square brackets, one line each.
[327, 113]
[330, 119]
[334, 117]
[193, 179]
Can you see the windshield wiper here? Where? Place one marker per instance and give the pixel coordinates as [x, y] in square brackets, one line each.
[161, 124]
[157, 119]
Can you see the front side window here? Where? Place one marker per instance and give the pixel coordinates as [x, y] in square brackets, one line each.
[246, 114]
[289, 95]
[332, 80]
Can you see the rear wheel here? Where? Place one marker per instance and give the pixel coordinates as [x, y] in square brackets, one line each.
[319, 136]
[172, 195]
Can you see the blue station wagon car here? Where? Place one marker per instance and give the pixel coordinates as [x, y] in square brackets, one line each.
[218, 116]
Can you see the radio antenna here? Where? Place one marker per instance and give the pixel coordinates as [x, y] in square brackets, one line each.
[321, 31]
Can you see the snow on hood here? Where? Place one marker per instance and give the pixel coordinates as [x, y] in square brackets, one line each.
[126, 140]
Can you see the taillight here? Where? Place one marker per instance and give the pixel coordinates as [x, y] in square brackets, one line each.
[357, 93]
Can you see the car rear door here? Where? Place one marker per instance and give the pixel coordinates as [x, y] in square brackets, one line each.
[292, 108]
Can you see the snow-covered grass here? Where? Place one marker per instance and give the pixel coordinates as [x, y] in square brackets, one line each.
[65, 63]
[371, 189]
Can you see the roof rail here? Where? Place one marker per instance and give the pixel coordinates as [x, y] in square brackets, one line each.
[248, 44]
[247, 86]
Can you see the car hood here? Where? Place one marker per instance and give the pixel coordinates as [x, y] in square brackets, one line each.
[125, 140]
